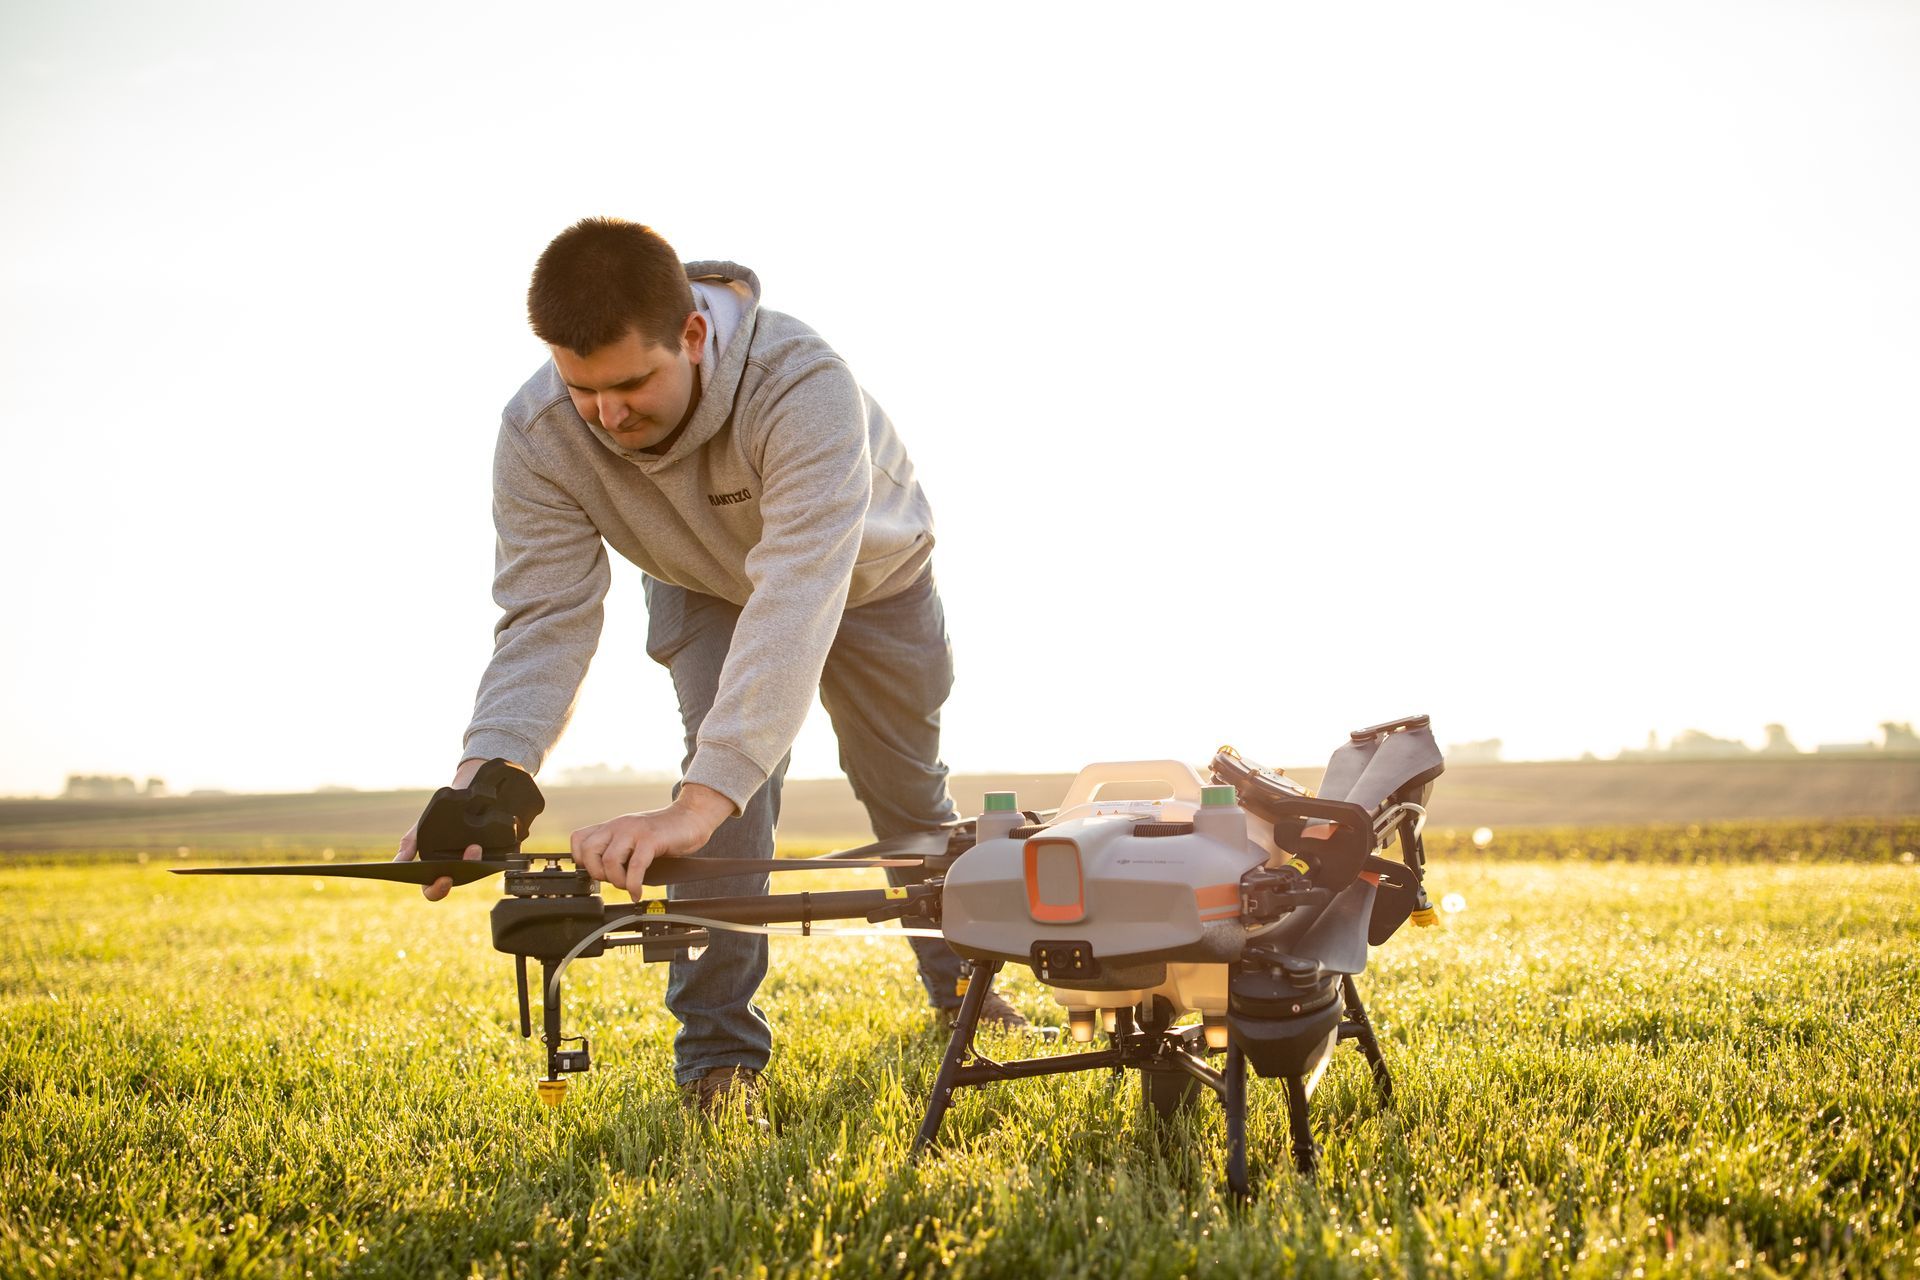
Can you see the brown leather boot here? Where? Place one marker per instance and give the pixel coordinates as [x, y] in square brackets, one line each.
[996, 1014]
[723, 1088]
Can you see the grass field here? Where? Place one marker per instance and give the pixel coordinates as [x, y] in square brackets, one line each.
[1618, 1067]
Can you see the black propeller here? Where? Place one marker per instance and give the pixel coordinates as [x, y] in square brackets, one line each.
[462, 871]
[496, 810]
[914, 844]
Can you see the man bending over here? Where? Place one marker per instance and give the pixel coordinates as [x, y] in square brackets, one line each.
[730, 453]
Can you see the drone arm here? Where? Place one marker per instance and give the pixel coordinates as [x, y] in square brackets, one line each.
[789, 908]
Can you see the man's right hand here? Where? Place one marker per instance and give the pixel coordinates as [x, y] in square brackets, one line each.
[410, 842]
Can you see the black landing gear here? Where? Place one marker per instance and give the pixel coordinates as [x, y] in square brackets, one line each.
[1355, 1026]
[1172, 1064]
[1358, 1027]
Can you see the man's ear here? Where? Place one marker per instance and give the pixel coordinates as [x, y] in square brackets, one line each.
[693, 338]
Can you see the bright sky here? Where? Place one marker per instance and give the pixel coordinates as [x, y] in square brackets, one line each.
[1273, 369]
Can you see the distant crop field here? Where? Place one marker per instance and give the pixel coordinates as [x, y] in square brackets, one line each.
[1503, 796]
[1640, 1063]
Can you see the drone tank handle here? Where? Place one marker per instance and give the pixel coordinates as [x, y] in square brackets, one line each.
[1185, 784]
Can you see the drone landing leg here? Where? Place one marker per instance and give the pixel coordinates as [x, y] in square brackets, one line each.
[1305, 1155]
[1360, 1027]
[1234, 1102]
[959, 1048]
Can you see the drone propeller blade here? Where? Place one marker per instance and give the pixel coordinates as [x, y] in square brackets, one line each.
[459, 871]
[1338, 938]
[914, 844]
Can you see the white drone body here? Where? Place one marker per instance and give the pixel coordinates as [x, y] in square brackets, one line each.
[1150, 905]
[1151, 887]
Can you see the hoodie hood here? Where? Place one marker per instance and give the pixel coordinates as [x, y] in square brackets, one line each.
[728, 295]
[787, 494]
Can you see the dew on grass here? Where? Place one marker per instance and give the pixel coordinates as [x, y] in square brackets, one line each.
[1482, 837]
[1453, 904]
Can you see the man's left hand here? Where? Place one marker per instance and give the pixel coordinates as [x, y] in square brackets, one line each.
[619, 850]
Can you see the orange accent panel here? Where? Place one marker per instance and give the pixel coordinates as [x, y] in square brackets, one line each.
[1371, 877]
[1324, 831]
[1229, 914]
[1217, 895]
[1054, 912]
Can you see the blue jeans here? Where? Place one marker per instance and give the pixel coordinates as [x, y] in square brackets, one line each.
[886, 677]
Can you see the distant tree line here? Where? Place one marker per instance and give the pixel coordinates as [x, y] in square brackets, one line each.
[1896, 738]
[100, 786]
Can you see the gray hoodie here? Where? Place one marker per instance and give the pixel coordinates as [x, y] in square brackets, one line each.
[788, 493]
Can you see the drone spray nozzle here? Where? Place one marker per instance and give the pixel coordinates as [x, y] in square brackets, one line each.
[552, 1092]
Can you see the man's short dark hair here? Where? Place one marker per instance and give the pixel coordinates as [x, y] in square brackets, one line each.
[603, 276]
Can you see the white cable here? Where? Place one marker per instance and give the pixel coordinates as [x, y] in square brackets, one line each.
[553, 983]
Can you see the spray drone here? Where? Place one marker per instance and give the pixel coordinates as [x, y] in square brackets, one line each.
[1241, 897]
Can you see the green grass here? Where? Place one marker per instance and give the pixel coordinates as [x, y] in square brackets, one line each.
[1848, 840]
[1604, 1069]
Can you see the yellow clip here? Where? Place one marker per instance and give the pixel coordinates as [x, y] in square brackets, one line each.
[552, 1092]
[960, 986]
[1425, 917]
[896, 893]
[1300, 866]
[654, 907]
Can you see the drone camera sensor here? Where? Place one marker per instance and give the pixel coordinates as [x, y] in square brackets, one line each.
[1061, 961]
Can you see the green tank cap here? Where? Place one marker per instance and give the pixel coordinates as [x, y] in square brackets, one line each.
[1002, 802]
[1211, 796]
